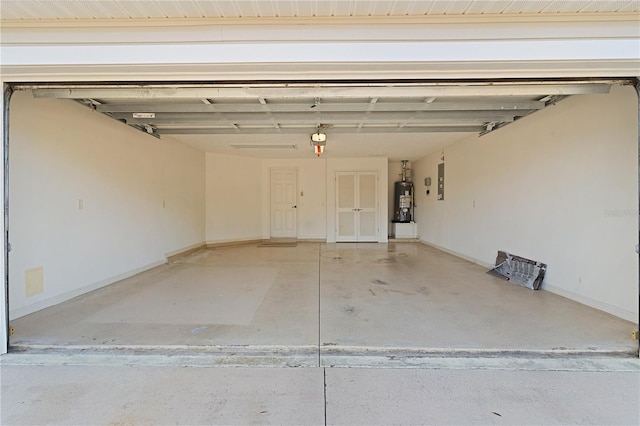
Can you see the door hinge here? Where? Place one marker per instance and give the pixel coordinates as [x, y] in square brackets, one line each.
[8, 247]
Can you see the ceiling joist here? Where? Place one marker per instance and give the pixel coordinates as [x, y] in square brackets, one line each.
[362, 107]
[159, 107]
[318, 91]
[297, 130]
[331, 117]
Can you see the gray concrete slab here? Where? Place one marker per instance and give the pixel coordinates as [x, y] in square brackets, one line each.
[159, 391]
[342, 298]
[173, 356]
[408, 295]
[439, 397]
[299, 357]
[120, 395]
[231, 296]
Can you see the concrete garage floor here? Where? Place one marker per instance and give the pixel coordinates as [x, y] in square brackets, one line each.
[151, 395]
[443, 343]
[335, 300]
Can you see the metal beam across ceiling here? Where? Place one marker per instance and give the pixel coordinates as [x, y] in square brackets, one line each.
[354, 107]
[311, 90]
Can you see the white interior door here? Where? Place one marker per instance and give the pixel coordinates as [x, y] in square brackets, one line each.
[357, 206]
[346, 207]
[367, 206]
[284, 203]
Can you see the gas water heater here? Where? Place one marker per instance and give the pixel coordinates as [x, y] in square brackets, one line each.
[403, 198]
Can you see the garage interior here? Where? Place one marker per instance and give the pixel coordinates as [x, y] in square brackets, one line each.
[166, 188]
[322, 295]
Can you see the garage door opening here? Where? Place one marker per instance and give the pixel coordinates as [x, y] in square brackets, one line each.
[98, 205]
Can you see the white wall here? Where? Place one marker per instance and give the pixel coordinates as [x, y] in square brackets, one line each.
[62, 152]
[244, 182]
[233, 198]
[183, 218]
[559, 186]
[312, 184]
[379, 165]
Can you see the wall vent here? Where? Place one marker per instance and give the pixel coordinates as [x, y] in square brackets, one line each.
[33, 282]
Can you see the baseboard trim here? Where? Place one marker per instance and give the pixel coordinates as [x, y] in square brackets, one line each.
[456, 254]
[592, 303]
[230, 243]
[186, 251]
[587, 301]
[47, 303]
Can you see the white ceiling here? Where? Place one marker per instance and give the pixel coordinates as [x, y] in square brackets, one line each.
[411, 146]
[234, 9]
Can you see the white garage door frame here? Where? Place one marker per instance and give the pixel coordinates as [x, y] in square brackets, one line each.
[6, 97]
[417, 48]
[4, 195]
[637, 87]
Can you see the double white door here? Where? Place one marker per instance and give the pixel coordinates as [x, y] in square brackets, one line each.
[357, 206]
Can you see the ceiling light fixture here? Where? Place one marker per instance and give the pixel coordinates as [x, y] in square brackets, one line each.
[318, 142]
